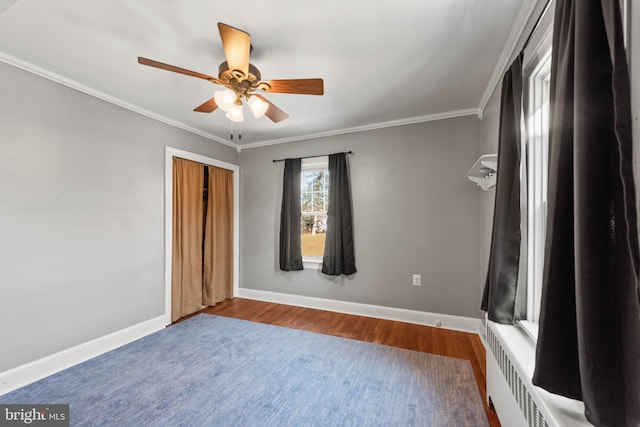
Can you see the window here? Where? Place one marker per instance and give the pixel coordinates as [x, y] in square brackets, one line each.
[538, 74]
[625, 9]
[537, 69]
[314, 198]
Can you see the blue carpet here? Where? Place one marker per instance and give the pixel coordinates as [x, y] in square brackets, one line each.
[217, 371]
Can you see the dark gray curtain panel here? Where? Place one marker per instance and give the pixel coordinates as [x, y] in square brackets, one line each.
[500, 291]
[290, 217]
[339, 256]
[589, 340]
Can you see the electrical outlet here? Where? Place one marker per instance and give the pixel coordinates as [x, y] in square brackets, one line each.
[416, 280]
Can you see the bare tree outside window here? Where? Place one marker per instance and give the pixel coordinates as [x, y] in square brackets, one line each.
[314, 197]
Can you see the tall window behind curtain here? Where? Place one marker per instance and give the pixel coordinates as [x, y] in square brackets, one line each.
[188, 224]
[290, 226]
[589, 339]
[218, 241]
[501, 298]
[339, 255]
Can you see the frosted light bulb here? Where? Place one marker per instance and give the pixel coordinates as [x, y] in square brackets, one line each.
[258, 106]
[235, 113]
[225, 99]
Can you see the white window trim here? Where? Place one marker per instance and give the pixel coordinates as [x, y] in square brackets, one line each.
[536, 66]
[312, 263]
[537, 136]
[625, 12]
[314, 164]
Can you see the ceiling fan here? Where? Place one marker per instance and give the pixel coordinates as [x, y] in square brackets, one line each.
[242, 80]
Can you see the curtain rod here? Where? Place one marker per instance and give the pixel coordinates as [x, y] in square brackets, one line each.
[535, 26]
[311, 157]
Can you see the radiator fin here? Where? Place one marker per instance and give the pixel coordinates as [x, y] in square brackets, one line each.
[527, 405]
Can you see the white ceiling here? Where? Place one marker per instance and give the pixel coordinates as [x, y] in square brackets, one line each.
[384, 62]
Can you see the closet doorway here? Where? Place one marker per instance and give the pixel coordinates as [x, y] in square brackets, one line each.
[175, 160]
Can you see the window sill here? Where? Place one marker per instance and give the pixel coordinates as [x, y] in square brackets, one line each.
[312, 263]
[530, 328]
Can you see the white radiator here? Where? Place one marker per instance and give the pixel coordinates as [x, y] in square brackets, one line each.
[518, 403]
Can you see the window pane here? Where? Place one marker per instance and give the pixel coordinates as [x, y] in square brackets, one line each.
[318, 181]
[306, 183]
[307, 202]
[318, 202]
[314, 185]
[313, 234]
[537, 172]
[307, 223]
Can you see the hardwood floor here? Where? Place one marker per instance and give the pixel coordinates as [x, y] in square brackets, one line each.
[427, 339]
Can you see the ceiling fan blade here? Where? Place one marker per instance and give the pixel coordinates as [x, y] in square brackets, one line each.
[237, 47]
[163, 66]
[207, 106]
[297, 86]
[274, 113]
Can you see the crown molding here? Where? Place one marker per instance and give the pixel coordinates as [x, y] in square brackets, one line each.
[372, 126]
[34, 69]
[31, 68]
[524, 15]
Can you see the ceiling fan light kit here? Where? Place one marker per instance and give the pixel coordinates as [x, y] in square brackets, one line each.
[241, 80]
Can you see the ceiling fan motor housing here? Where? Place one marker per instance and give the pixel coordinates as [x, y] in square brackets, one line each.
[237, 81]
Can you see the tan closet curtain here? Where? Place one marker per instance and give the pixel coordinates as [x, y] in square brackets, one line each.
[218, 244]
[188, 225]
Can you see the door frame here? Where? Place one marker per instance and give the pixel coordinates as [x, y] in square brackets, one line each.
[170, 153]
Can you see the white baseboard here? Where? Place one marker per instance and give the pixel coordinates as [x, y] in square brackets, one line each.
[446, 321]
[38, 369]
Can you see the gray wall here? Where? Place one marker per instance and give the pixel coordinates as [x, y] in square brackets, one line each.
[414, 212]
[81, 215]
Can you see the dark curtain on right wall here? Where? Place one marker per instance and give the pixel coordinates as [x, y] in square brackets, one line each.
[500, 297]
[589, 340]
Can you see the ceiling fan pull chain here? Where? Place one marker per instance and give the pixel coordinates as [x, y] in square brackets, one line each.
[240, 130]
[231, 130]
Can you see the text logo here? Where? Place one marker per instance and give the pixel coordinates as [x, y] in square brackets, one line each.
[34, 415]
